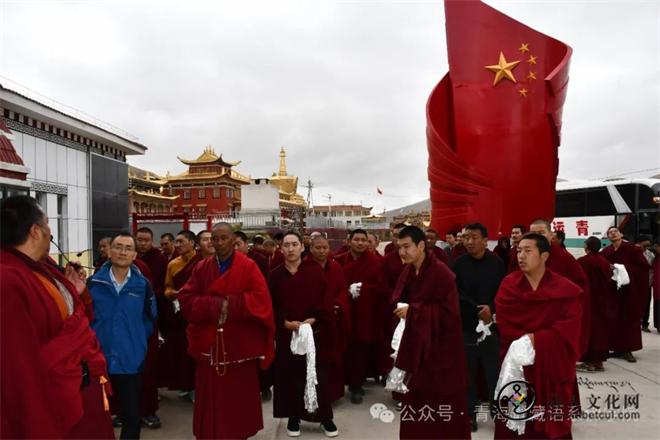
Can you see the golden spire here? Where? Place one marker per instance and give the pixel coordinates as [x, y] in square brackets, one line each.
[282, 162]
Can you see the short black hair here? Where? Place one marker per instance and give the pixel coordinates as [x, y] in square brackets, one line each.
[400, 226]
[432, 231]
[168, 235]
[241, 235]
[124, 234]
[477, 227]
[357, 231]
[542, 243]
[145, 230]
[415, 234]
[645, 238]
[292, 233]
[18, 214]
[593, 244]
[522, 228]
[278, 236]
[452, 232]
[190, 235]
[199, 234]
[561, 235]
[258, 240]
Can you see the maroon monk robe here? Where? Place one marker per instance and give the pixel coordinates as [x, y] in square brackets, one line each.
[431, 353]
[178, 369]
[457, 251]
[390, 247]
[41, 350]
[440, 255]
[602, 292]
[336, 285]
[340, 250]
[392, 267]
[261, 260]
[626, 334]
[227, 401]
[157, 265]
[275, 260]
[368, 324]
[513, 259]
[552, 313]
[503, 253]
[298, 297]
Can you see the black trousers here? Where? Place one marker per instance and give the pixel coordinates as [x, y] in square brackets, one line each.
[647, 310]
[127, 389]
[485, 354]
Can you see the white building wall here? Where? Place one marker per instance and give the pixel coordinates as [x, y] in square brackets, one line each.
[261, 197]
[55, 164]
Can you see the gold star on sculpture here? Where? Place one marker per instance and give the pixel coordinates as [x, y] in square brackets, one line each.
[523, 92]
[503, 69]
[524, 47]
[531, 75]
[532, 60]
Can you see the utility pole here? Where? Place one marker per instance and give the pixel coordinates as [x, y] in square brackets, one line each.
[329, 197]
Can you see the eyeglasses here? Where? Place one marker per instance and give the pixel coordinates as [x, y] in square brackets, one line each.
[127, 249]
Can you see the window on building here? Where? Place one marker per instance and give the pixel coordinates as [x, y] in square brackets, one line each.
[186, 210]
[186, 194]
[230, 193]
[202, 210]
[216, 193]
[348, 222]
[172, 193]
[201, 193]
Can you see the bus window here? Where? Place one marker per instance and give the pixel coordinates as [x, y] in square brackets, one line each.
[599, 202]
[570, 204]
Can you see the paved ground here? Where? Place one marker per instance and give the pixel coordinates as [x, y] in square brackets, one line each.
[616, 387]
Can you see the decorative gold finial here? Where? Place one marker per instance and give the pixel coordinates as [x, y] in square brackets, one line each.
[282, 162]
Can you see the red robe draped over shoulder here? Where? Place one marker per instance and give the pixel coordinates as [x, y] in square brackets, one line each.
[431, 352]
[626, 333]
[41, 351]
[227, 400]
[553, 313]
[602, 293]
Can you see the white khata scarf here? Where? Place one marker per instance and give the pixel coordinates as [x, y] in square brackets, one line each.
[302, 343]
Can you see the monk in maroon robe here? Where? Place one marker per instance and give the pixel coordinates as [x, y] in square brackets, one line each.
[300, 296]
[364, 275]
[626, 333]
[392, 268]
[563, 263]
[231, 335]
[336, 285]
[392, 246]
[603, 296]
[548, 309]
[517, 232]
[157, 264]
[178, 368]
[431, 241]
[52, 369]
[431, 349]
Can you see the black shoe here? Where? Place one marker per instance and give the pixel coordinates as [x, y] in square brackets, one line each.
[473, 424]
[152, 421]
[293, 427]
[116, 422]
[266, 395]
[329, 429]
[645, 328]
[628, 356]
[356, 398]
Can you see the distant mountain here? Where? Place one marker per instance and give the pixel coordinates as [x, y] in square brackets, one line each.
[424, 205]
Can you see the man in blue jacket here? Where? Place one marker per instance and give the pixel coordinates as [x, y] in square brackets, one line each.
[124, 315]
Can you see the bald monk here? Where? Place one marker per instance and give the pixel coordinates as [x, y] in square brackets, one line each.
[538, 304]
[626, 334]
[178, 368]
[230, 335]
[51, 365]
[336, 285]
[364, 275]
[603, 299]
[300, 296]
[430, 354]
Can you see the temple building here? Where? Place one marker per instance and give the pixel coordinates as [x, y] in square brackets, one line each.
[346, 215]
[211, 186]
[287, 186]
[145, 193]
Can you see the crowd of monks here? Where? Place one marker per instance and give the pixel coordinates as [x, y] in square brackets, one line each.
[231, 309]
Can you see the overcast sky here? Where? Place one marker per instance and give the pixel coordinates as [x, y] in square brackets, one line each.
[342, 85]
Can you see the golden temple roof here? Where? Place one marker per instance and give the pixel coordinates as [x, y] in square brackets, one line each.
[209, 157]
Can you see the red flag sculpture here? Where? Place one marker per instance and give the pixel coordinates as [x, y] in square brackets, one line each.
[493, 122]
